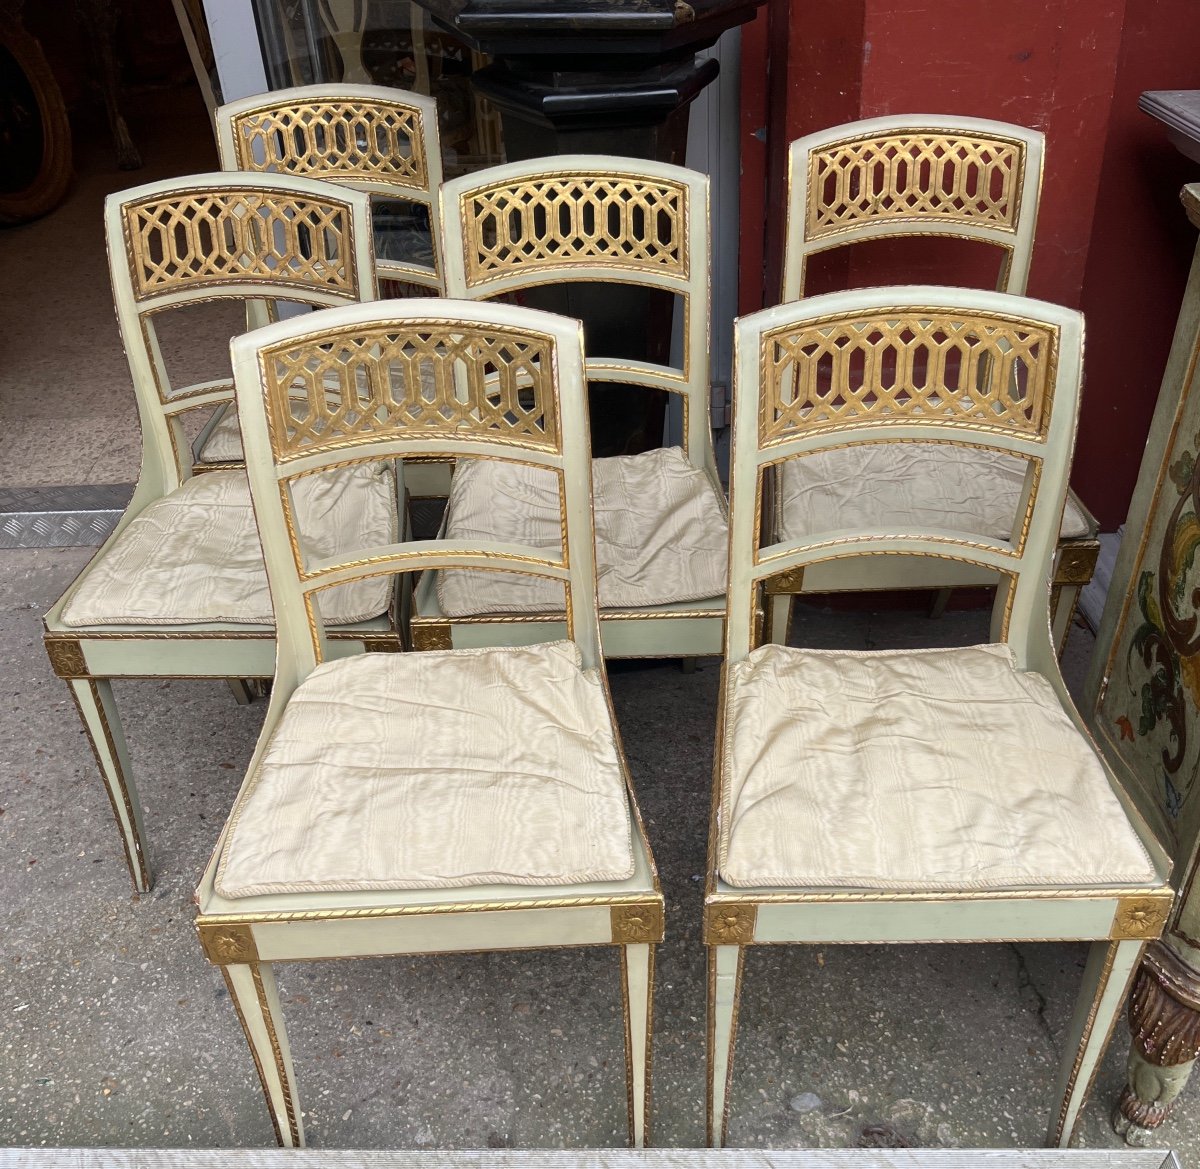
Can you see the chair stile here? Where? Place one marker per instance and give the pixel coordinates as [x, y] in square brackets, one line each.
[774, 422]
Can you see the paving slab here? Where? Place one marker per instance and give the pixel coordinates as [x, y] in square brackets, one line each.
[114, 1030]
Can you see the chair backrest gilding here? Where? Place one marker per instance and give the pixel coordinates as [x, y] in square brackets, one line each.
[914, 175]
[254, 238]
[393, 380]
[588, 217]
[906, 364]
[378, 140]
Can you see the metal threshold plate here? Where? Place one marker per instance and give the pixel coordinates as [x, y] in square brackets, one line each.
[61, 517]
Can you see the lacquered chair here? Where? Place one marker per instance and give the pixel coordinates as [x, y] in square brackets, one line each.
[917, 176]
[425, 802]
[899, 796]
[179, 589]
[660, 516]
[368, 137]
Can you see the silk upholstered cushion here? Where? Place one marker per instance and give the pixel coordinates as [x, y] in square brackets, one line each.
[224, 443]
[923, 770]
[427, 770]
[194, 556]
[661, 533]
[912, 486]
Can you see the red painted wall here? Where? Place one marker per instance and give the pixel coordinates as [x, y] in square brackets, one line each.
[1109, 234]
[1137, 263]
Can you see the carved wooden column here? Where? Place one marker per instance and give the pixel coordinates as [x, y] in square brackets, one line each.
[1164, 1018]
[1143, 691]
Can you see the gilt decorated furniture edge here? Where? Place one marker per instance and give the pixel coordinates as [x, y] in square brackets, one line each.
[1142, 699]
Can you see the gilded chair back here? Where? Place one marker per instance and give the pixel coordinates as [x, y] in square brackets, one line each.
[374, 139]
[396, 380]
[253, 238]
[907, 364]
[587, 217]
[914, 175]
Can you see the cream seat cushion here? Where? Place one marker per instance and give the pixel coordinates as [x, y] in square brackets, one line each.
[430, 770]
[224, 442]
[194, 556]
[661, 533]
[915, 486]
[924, 770]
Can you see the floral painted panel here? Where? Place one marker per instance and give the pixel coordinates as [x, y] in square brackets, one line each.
[1147, 705]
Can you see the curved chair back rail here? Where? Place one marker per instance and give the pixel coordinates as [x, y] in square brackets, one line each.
[260, 238]
[913, 175]
[432, 378]
[371, 138]
[203, 610]
[519, 741]
[881, 796]
[907, 364]
[589, 217]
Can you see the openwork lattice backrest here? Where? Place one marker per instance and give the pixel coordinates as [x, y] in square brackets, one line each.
[394, 380]
[914, 175]
[897, 365]
[378, 140]
[219, 236]
[585, 217]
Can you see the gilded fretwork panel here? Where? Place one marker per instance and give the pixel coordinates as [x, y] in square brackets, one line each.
[991, 372]
[226, 238]
[914, 176]
[639, 225]
[412, 382]
[333, 139]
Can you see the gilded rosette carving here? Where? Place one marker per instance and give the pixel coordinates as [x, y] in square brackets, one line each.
[1141, 917]
[226, 945]
[637, 924]
[729, 924]
[432, 636]
[66, 657]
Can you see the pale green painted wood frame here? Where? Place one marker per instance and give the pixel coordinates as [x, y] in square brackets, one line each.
[680, 630]
[1118, 921]
[364, 111]
[89, 658]
[246, 936]
[367, 109]
[1013, 234]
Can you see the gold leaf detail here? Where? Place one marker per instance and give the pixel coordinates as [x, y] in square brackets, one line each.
[729, 925]
[1141, 918]
[228, 944]
[633, 924]
[432, 636]
[66, 657]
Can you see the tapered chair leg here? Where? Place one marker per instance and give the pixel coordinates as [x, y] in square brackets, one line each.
[941, 599]
[779, 618]
[637, 987]
[1064, 600]
[242, 693]
[256, 998]
[1107, 977]
[98, 710]
[724, 988]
